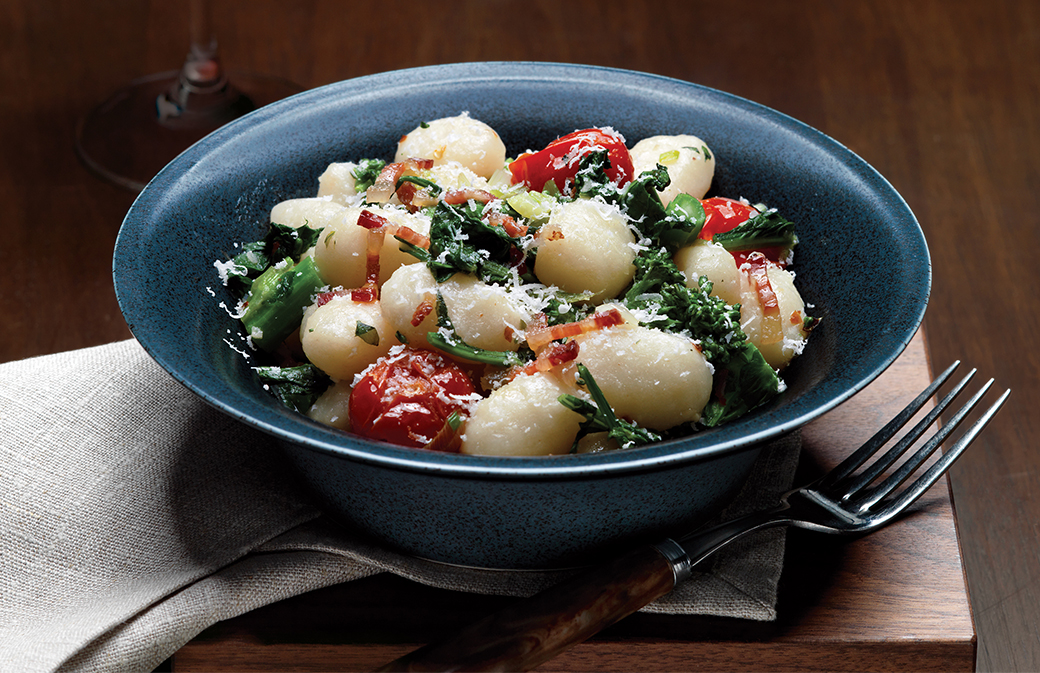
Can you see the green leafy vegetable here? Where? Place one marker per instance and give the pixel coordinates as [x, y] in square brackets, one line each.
[765, 230]
[600, 417]
[671, 227]
[276, 301]
[659, 288]
[641, 202]
[429, 185]
[296, 387]
[462, 242]
[746, 382]
[366, 173]
[281, 242]
[683, 220]
[592, 180]
[566, 307]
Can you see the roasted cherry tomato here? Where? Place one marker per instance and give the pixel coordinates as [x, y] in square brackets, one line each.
[559, 161]
[407, 397]
[722, 214]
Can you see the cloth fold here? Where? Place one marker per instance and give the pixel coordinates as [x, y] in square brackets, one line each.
[133, 516]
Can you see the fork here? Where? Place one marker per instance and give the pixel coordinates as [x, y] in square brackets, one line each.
[847, 500]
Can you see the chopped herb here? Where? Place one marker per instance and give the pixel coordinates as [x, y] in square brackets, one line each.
[454, 421]
[668, 158]
[367, 333]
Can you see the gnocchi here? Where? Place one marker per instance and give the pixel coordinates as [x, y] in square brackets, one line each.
[690, 164]
[582, 298]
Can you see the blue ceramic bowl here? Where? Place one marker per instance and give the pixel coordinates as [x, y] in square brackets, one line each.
[862, 264]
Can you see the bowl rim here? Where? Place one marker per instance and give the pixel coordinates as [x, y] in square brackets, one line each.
[663, 455]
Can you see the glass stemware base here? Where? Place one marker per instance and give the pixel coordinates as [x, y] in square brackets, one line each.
[131, 136]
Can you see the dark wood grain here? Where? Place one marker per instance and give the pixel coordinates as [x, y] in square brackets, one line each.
[942, 96]
[525, 634]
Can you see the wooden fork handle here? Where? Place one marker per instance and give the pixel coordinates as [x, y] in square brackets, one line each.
[534, 630]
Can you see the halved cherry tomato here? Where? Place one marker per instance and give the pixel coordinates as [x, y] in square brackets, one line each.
[722, 214]
[560, 159]
[407, 397]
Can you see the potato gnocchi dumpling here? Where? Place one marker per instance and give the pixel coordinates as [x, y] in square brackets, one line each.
[338, 183]
[690, 163]
[485, 316]
[555, 303]
[340, 252]
[314, 212]
[522, 418]
[780, 347]
[342, 336]
[461, 139]
[586, 246]
[657, 379]
[704, 258]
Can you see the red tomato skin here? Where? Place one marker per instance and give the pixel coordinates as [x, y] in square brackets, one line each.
[559, 160]
[722, 214]
[407, 396]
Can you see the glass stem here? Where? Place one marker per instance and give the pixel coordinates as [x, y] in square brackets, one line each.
[201, 96]
[202, 70]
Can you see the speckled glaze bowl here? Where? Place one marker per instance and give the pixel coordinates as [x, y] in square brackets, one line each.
[862, 265]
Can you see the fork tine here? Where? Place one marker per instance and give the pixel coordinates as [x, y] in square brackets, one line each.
[932, 475]
[875, 469]
[872, 445]
[882, 490]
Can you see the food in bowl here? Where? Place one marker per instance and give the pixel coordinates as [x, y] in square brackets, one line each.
[580, 298]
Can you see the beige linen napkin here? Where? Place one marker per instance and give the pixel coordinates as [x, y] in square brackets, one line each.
[133, 516]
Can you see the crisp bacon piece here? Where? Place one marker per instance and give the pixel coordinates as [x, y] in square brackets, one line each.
[756, 267]
[365, 294]
[377, 227]
[537, 339]
[370, 220]
[456, 197]
[556, 354]
[512, 227]
[424, 309]
[414, 197]
[385, 184]
[409, 235]
[326, 297]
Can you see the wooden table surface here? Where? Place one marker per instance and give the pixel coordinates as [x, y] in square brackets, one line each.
[941, 96]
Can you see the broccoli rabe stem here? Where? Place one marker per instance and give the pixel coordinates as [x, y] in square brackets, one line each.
[276, 301]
